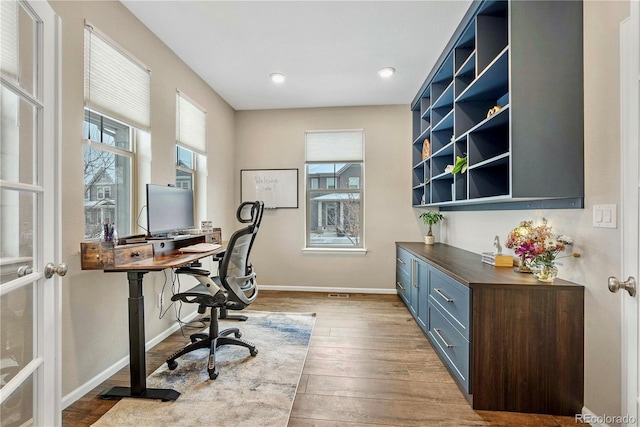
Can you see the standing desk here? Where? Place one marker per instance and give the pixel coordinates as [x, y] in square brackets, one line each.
[137, 260]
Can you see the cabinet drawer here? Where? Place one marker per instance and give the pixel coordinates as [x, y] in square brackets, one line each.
[403, 261]
[106, 256]
[452, 298]
[452, 346]
[403, 284]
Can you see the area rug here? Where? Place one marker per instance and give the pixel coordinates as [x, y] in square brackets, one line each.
[250, 391]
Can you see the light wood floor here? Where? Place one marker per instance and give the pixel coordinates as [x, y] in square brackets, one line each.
[368, 365]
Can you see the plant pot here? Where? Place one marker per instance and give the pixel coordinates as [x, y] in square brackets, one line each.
[429, 240]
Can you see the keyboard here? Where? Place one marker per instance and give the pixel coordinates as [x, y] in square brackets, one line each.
[200, 247]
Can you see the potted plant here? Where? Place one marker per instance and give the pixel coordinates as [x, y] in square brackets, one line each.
[430, 218]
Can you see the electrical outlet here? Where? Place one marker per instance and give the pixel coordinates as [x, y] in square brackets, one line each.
[160, 299]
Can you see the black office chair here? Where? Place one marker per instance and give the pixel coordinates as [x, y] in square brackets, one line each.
[234, 288]
[255, 211]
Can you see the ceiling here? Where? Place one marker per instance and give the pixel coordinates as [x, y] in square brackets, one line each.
[330, 51]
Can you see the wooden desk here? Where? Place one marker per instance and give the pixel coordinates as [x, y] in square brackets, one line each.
[153, 255]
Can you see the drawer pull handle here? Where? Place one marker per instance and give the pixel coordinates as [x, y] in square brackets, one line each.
[446, 298]
[400, 286]
[437, 331]
[400, 261]
[135, 254]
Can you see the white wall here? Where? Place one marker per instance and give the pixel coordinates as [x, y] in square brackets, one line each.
[94, 304]
[275, 139]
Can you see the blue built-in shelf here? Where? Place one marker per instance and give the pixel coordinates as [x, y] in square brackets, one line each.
[493, 83]
[509, 97]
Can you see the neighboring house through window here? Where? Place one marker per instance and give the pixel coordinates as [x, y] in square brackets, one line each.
[117, 107]
[334, 194]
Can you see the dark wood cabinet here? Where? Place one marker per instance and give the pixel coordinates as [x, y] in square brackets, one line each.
[511, 343]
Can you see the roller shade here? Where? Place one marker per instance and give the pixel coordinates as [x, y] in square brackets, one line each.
[191, 124]
[115, 83]
[334, 146]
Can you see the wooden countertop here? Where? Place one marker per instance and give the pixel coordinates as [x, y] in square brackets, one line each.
[467, 267]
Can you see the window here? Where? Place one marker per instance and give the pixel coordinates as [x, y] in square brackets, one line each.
[191, 140]
[334, 195]
[185, 168]
[117, 106]
[331, 182]
[108, 158]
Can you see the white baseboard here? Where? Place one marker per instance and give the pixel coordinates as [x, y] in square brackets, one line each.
[592, 419]
[328, 289]
[111, 370]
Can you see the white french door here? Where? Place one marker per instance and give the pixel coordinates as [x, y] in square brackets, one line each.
[630, 112]
[29, 223]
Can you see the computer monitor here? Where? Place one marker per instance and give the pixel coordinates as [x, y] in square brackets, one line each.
[169, 210]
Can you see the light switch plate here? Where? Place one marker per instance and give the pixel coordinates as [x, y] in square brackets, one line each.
[605, 216]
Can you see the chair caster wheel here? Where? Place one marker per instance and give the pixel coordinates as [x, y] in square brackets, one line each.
[213, 375]
[172, 364]
[254, 352]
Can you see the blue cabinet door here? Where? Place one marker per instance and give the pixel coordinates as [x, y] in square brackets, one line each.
[403, 275]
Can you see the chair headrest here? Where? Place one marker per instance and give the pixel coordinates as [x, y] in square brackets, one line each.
[256, 210]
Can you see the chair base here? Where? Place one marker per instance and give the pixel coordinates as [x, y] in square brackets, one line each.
[212, 341]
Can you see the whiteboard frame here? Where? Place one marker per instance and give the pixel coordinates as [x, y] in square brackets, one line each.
[284, 201]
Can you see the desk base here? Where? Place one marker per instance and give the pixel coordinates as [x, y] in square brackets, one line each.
[164, 394]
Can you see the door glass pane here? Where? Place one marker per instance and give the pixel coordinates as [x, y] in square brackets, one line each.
[18, 119]
[17, 209]
[18, 409]
[27, 49]
[16, 332]
[18, 47]
[107, 197]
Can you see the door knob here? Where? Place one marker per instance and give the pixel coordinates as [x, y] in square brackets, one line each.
[630, 285]
[23, 270]
[50, 270]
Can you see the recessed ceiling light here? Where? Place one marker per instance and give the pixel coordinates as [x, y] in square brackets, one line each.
[277, 78]
[386, 72]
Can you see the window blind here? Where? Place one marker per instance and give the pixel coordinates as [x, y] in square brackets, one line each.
[334, 146]
[115, 84]
[191, 124]
[9, 39]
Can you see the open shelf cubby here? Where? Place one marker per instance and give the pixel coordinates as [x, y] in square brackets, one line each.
[499, 95]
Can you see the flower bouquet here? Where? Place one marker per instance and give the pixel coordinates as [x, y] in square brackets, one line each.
[538, 249]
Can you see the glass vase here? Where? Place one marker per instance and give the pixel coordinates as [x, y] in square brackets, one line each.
[544, 272]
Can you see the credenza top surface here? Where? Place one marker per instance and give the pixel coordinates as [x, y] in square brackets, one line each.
[467, 267]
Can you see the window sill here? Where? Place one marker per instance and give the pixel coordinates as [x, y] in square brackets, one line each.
[355, 251]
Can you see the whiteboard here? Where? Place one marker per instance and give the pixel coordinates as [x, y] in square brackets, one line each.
[277, 188]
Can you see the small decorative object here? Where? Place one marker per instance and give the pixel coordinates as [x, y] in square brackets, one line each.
[538, 250]
[496, 243]
[496, 258]
[493, 110]
[430, 218]
[426, 149]
[459, 167]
